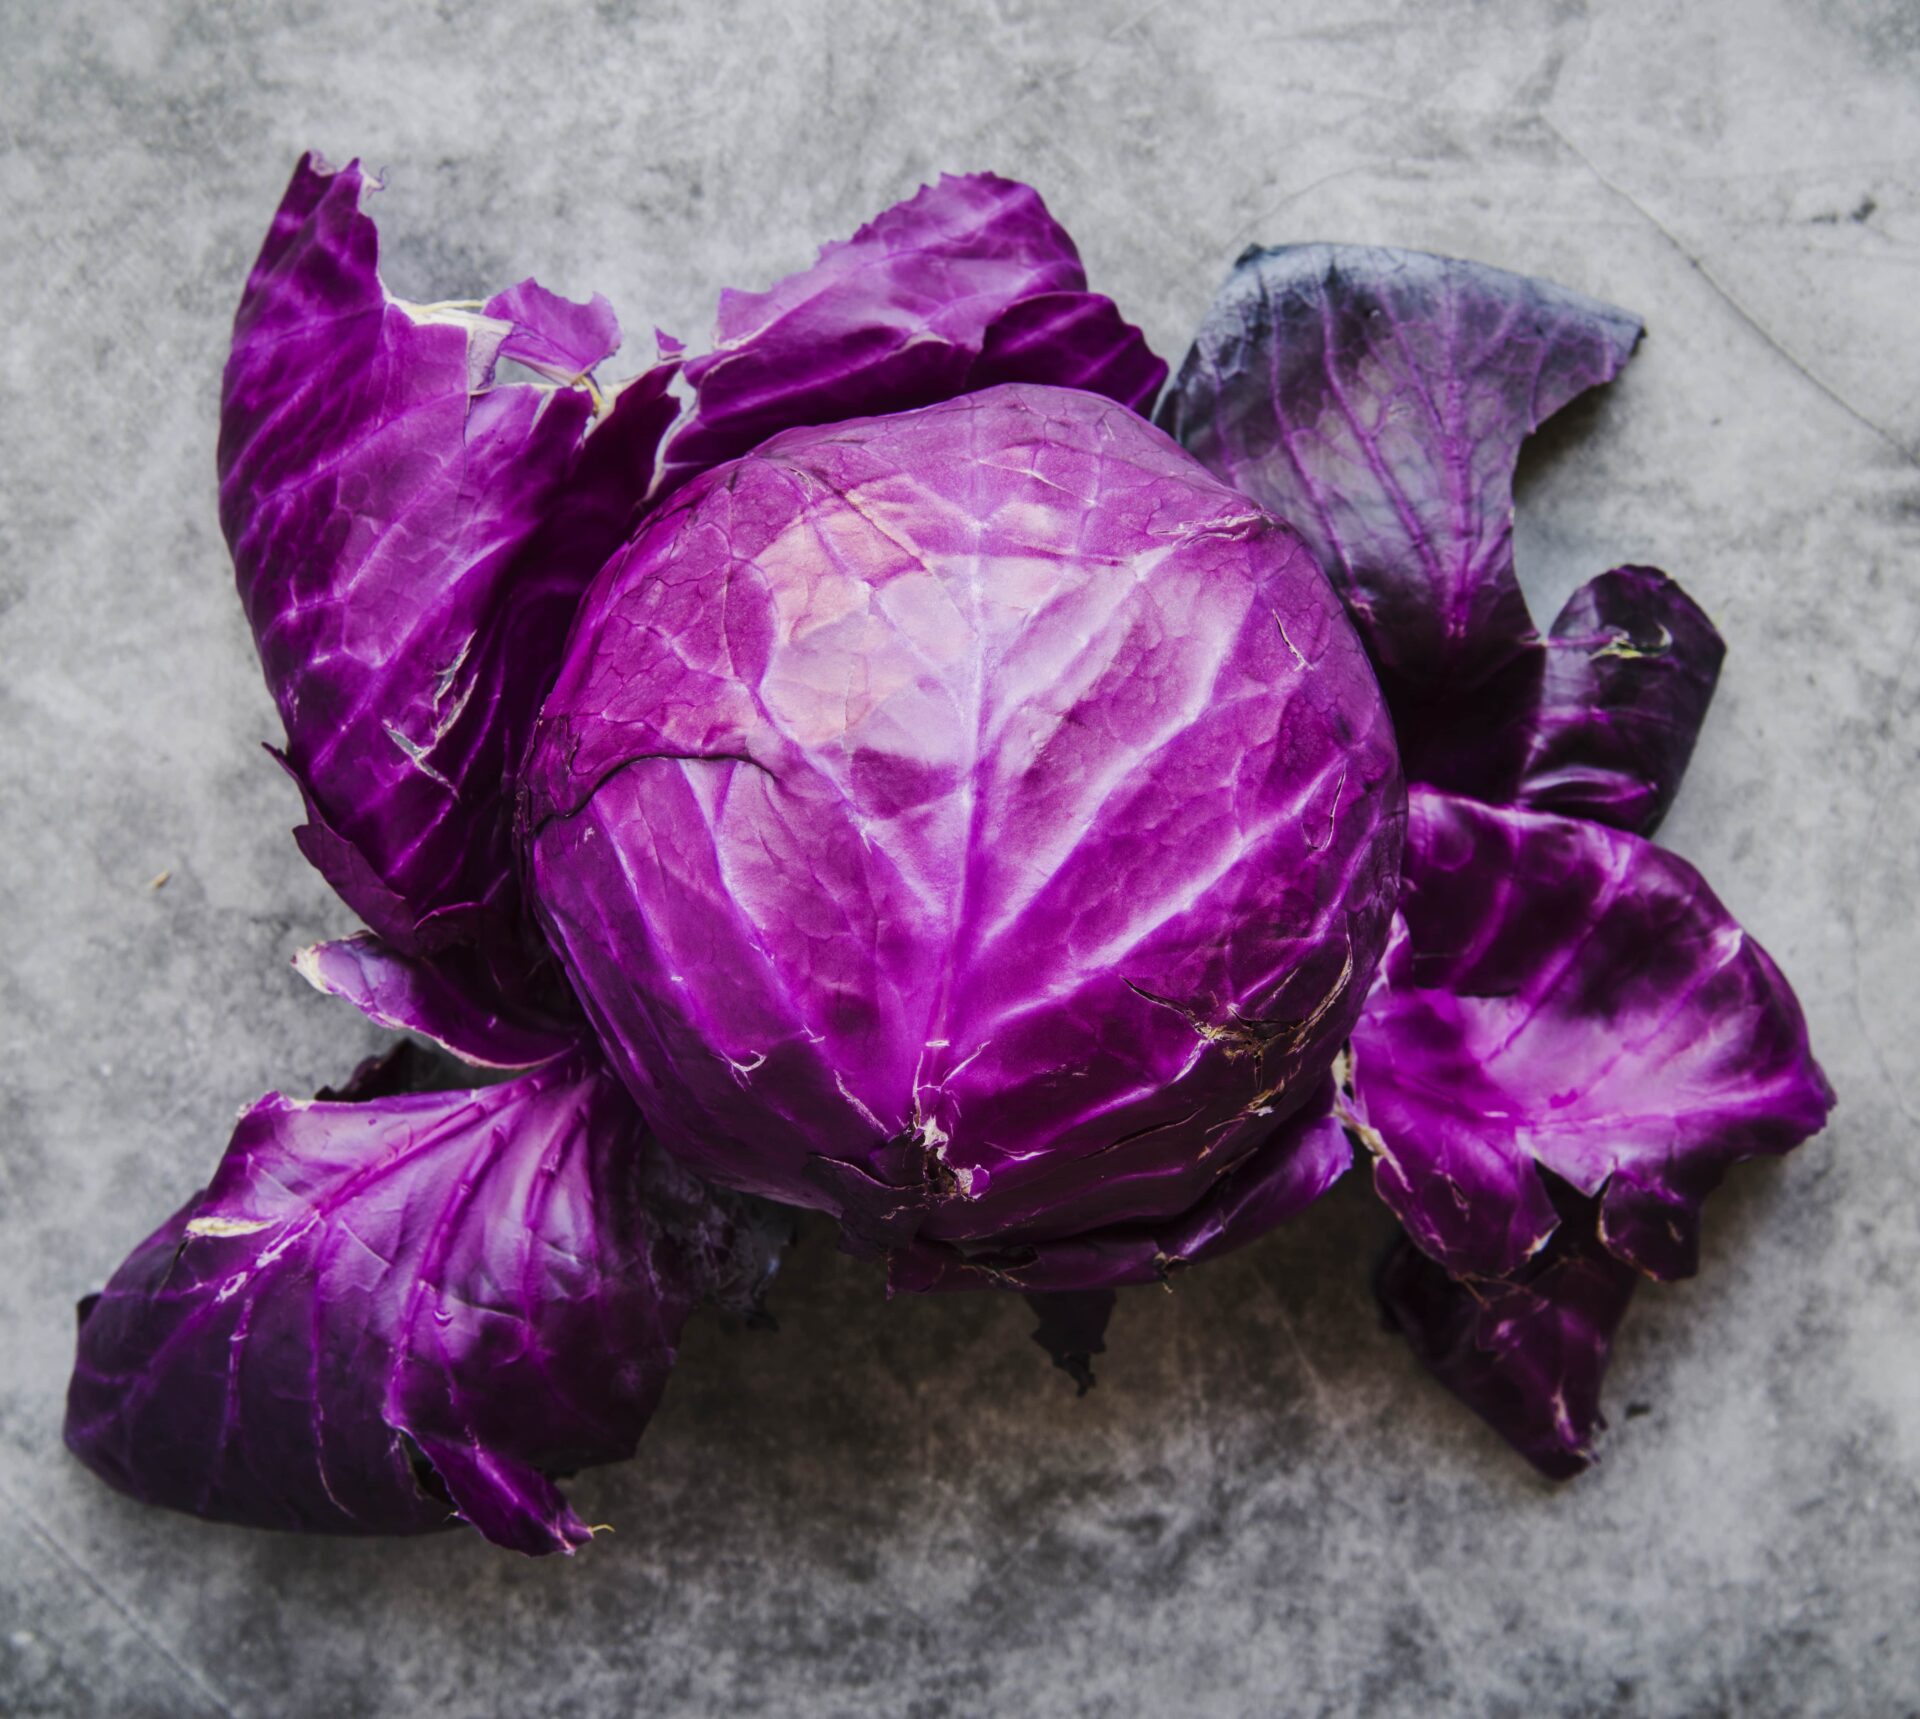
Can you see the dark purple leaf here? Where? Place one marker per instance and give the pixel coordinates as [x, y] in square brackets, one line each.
[1377, 400]
[1069, 340]
[1559, 995]
[384, 1314]
[1630, 671]
[966, 284]
[1527, 1354]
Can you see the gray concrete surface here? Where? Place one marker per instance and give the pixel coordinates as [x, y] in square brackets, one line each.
[1264, 1508]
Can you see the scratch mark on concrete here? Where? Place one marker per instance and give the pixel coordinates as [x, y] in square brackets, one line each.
[1910, 455]
[146, 1632]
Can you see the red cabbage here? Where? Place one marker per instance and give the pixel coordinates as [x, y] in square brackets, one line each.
[978, 822]
[929, 795]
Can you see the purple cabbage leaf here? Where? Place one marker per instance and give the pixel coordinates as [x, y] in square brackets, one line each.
[1564, 997]
[382, 1316]
[410, 537]
[1377, 400]
[1630, 669]
[967, 284]
[1525, 1353]
[450, 999]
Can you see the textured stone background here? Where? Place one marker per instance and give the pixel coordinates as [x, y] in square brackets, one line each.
[900, 1509]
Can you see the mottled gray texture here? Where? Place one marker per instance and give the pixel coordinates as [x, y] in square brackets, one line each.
[901, 1509]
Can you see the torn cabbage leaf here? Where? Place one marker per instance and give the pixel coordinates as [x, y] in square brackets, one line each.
[384, 1315]
[410, 538]
[1562, 996]
[967, 284]
[1526, 1353]
[1376, 400]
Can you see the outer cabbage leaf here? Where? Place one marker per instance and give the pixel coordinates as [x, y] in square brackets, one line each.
[977, 822]
[1280, 1178]
[1526, 1354]
[452, 1000]
[1630, 670]
[1071, 1283]
[1559, 995]
[559, 339]
[967, 284]
[382, 1315]
[410, 541]
[1377, 400]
